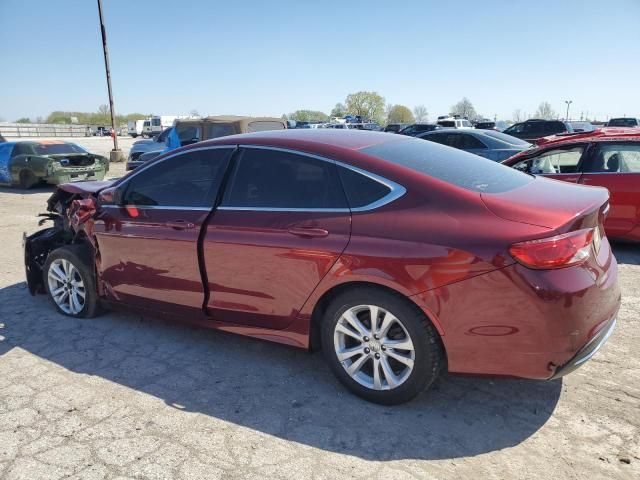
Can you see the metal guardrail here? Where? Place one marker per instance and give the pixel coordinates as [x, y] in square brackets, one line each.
[42, 130]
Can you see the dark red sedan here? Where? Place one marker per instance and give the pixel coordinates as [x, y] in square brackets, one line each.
[398, 257]
[608, 157]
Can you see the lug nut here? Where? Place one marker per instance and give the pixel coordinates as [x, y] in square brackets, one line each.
[377, 355]
[366, 339]
[383, 348]
[367, 350]
[376, 337]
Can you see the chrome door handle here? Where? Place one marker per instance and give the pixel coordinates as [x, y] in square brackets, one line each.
[308, 232]
[180, 225]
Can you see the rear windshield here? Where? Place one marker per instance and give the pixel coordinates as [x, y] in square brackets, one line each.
[447, 123]
[57, 148]
[450, 165]
[503, 137]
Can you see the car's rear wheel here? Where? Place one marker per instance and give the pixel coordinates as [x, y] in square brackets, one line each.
[380, 345]
[27, 179]
[70, 281]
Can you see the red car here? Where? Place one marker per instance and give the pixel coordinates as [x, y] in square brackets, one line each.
[608, 157]
[398, 257]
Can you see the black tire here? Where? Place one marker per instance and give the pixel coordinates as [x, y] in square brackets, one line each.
[27, 179]
[429, 355]
[80, 256]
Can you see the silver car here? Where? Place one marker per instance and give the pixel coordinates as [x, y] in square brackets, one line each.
[496, 146]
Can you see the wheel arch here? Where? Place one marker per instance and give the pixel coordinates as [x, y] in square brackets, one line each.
[330, 294]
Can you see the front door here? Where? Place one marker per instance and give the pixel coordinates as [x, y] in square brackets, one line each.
[616, 166]
[148, 243]
[561, 163]
[282, 224]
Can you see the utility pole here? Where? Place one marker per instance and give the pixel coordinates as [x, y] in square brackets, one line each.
[115, 153]
[568, 102]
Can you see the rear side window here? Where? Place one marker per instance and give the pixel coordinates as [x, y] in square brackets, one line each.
[452, 166]
[263, 126]
[360, 189]
[266, 178]
[469, 142]
[190, 179]
[554, 127]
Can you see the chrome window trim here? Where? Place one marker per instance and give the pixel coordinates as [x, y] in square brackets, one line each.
[160, 207]
[395, 190]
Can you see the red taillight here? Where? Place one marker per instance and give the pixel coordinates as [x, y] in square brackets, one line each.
[554, 252]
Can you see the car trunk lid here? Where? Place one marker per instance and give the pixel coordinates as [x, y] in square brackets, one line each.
[553, 204]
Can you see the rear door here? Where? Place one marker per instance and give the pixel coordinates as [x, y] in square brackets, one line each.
[616, 166]
[282, 224]
[148, 242]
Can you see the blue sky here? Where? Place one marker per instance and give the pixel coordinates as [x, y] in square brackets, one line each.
[270, 58]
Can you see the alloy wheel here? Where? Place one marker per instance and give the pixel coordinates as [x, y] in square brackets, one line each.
[374, 347]
[66, 286]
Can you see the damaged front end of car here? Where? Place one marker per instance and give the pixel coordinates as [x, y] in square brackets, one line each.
[72, 209]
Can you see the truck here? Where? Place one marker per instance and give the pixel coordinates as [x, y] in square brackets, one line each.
[135, 127]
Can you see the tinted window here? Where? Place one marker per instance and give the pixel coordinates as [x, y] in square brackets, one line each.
[452, 166]
[622, 122]
[360, 189]
[554, 127]
[155, 122]
[265, 178]
[469, 142]
[447, 123]
[22, 149]
[615, 157]
[440, 138]
[188, 133]
[517, 128]
[163, 136]
[190, 179]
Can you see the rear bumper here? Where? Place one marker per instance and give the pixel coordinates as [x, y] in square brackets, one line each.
[588, 351]
[76, 175]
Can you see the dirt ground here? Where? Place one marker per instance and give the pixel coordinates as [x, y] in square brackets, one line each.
[135, 397]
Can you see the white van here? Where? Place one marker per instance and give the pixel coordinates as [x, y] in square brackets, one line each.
[455, 122]
[146, 128]
[160, 122]
[135, 127]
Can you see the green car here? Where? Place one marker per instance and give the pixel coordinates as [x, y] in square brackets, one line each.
[29, 163]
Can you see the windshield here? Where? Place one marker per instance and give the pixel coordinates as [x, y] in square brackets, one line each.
[57, 148]
[449, 165]
[503, 137]
[447, 123]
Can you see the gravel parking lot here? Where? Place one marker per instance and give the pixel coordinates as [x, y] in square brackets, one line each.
[136, 397]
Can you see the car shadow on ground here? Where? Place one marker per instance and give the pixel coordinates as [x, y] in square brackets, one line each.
[626, 253]
[40, 188]
[277, 390]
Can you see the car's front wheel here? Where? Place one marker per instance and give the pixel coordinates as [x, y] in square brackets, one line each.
[380, 345]
[70, 281]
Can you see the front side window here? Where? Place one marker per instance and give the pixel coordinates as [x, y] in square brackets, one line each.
[552, 162]
[615, 158]
[517, 128]
[190, 179]
[266, 178]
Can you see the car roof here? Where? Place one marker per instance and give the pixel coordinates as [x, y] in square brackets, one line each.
[597, 135]
[310, 139]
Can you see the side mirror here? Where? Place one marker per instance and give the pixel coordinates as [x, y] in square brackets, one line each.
[110, 196]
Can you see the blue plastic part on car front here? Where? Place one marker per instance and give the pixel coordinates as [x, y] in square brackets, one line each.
[173, 141]
[5, 156]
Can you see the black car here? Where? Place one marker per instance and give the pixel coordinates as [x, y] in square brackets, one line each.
[533, 129]
[485, 125]
[623, 122]
[418, 128]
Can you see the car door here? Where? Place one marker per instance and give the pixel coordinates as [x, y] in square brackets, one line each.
[562, 163]
[148, 239]
[282, 224]
[616, 166]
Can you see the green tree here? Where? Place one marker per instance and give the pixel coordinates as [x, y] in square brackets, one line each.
[308, 116]
[465, 109]
[400, 114]
[420, 113]
[339, 110]
[369, 105]
[545, 112]
[23, 120]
